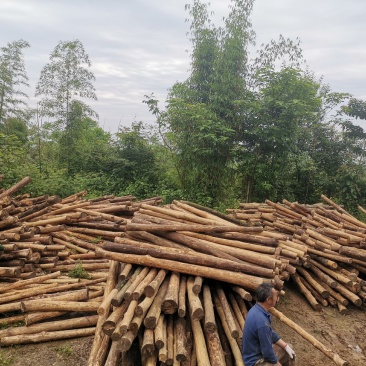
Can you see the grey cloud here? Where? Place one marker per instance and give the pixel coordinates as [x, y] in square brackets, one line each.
[139, 46]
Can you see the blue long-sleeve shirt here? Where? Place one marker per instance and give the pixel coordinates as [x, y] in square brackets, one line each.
[258, 337]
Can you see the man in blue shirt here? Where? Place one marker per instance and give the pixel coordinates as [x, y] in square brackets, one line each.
[261, 346]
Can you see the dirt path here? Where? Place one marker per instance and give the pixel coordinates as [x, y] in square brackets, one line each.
[344, 334]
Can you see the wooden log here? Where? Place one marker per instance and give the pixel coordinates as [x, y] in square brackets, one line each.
[169, 304]
[100, 343]
[197, 285]
[26, 293]
[180, 339]
[170, 340]
[188, 217]
[73, 247]
[124, 272]
[140, 288]
[124, 324]
[238, 316]
[317, 286]
[182, 296]
[152, 287]
[247, 281]
[118, 298]
[97, 233]
[229, 318]
[41, 305]
[39, 279]
[48, 336]
[193, 258]
[10, 307]
[68, 237]
[308, 295]
[329, 353]
[12, 320]
[114, 357]
[235, 243]
[199, 341]
[10, 271]
[245, 295]
[343, 290]
[136, 281]
[210, 213]
[109, 325]
[160, 332]
[353, 252]
[154, 311]
[183, 227]
[209, 314]
[215, 351]
[194, 301]
[16, 187]
[82, 322]
[152, 238]
[35, 317]
[324, 277]
[234, 347]
[147, 345]
[338, 276]
[315, 293]
[106, 304]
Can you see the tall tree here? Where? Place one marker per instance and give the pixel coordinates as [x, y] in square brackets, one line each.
[209, 113]
[64, 80]
[13, 79]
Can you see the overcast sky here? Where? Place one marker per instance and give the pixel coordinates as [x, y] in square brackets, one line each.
[139, 47]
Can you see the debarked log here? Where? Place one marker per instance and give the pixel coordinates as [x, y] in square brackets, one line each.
[329, 353]
[241, 279]
[47, 336]
[196, 258]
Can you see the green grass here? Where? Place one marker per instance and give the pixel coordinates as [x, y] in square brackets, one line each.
[5, 360]
[64, 351]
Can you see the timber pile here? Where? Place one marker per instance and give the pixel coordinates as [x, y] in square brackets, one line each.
[170, 285]
[42, 240]
[330, 242]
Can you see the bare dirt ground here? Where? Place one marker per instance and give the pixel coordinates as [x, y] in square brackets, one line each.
[344, 334]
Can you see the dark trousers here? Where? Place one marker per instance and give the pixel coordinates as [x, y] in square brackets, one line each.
[282, 357]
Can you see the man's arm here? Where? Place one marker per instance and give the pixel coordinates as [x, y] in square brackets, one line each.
[286, 347]
[265, 340]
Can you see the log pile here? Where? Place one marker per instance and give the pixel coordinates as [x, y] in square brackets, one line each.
[330, 242]
[47, 247]
[170, 285]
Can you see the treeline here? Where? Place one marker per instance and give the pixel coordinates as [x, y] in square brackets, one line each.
[245, 126]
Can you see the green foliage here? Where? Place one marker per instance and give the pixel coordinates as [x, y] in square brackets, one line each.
[79, 272]
[65, 79]
[13, 78]
[5, 360]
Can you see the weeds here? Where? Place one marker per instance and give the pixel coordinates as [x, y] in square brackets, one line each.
[79, 272]
[5, 360]
[64, 351]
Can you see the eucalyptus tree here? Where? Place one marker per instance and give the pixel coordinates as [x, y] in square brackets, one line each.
[64, 85]
[208, 116]
[13, 80]
[65, 79]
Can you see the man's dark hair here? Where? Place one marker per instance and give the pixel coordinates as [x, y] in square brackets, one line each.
[263, 291]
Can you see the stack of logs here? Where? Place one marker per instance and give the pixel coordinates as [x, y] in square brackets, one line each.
[171, 285]
[330, 245]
